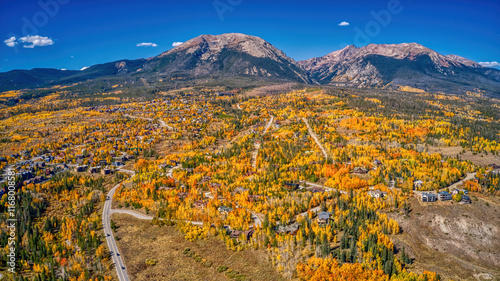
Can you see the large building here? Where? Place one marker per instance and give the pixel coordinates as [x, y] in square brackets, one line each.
[428, 197]
[444, 196]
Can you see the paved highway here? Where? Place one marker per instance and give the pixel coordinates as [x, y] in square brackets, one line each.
[121, 271]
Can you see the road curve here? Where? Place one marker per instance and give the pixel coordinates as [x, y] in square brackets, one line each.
[121, 271]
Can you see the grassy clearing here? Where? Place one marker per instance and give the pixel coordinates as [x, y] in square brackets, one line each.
[139, 242]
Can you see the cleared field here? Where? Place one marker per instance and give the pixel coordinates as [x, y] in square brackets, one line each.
[478, 159]
[139, 241]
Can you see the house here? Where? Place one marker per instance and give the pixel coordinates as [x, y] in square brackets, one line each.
[200, 204]
[291, 186]
[377, 162]
[81, 168]
[323, 217]
[182, 195]
[236, 233]
[428, 197]
[26, 175]
[444, 196]
[254, 198]
[106, 171]
[465, 200]
[360, 170]
[95, 170]
[494, 166]
[288, 229]
[417, 184]
[225, 210]
[316, 189]
[376, 193]
[215, 185]
[249, 173]
[392, 183]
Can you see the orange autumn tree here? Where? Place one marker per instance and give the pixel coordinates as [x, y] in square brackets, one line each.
[329, 269]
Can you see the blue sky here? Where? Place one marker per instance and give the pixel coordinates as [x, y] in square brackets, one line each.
[72, 34]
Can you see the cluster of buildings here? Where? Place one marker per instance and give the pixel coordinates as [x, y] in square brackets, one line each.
[445, 196]
[36, 170]
[377, 193]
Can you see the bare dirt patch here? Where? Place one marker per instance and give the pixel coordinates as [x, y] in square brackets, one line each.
[272, 89]
[139, 240]
[345, 131]
[453, 240]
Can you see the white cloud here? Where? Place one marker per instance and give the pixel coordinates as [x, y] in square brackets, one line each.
[147, 44]
[83, 68]
[344, 23]
[11, 42]
[489, 63]
[175, 44]
[63, 69]
[36, 40]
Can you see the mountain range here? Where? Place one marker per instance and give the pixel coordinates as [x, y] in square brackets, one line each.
[240, 55]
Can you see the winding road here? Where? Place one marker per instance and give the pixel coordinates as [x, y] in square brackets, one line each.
[108, 211]
[121, 271]
[469, 176]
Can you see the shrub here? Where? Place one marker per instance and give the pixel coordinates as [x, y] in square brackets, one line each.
[207, 264]
[241, 277]
[221, 268]
[232, 273]
[151, 262]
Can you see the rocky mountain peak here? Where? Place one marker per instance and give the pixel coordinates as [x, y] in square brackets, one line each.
[211, 44]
